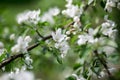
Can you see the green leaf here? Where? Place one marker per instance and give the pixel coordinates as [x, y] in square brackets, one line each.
[56, 53]
[87, 26]
[59, 59]
[70, 78]
[2, 56]
[89, 78]
[76, 66]
[95, 1]
[25, 32]
[97, 32]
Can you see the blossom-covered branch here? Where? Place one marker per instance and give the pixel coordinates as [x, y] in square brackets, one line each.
[14, 57]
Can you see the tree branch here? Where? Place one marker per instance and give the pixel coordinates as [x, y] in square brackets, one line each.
[8, 60]
[12, 58]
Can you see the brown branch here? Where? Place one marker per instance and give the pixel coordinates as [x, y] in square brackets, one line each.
[8, 60]
[12, 58]
[103, 63]
[37, 44]
[33, 46]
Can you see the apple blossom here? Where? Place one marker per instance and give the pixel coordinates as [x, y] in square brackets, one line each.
[22, 44]
[29, 17]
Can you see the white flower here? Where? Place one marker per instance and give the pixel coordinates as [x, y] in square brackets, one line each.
[54, 11]
[22, 75]
[15, 49]
[29, 17]
[63, 47]
[68, 32]
[82, 39]
[102, 74]
[109, 5]
[10, 75]
[90, 36]
[107, 29]
[76, 19]
[48, 16]
[17, 70]
[28, 60]
[77, 23]
[28, 39]
[25, 76]
[61, 42]
[58, 36]
[12, 36]
[118, 5]
[72, 10]
[87, 37]
[22, 44]
[69, 1]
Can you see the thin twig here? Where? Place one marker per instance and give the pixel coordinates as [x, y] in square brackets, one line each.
[38, 33]
[102, 62]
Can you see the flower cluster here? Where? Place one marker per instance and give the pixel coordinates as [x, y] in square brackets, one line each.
[72, 10]
[28, 17]
[22, 75]
[34, 16]
[108, 29]
[61, 41]
[87, 37]
[112, 3]
[48, 16]
[22, 44]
